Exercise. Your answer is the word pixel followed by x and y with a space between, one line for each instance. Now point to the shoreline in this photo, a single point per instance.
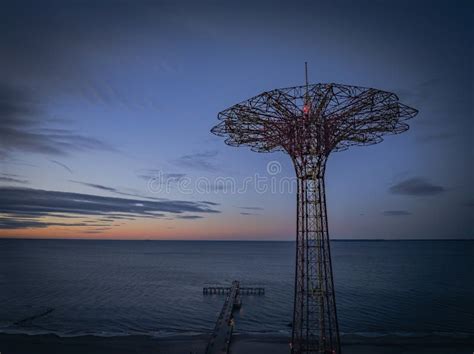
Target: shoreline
pixel 241 344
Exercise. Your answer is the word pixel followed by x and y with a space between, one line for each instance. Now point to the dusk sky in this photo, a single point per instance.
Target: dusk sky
pixel 106 109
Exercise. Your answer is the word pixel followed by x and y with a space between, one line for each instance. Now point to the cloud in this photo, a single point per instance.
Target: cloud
pixel 245 213
pixel 248 213
pixel 396 213
pixel 200 161
pixel 209 203
pixel 104 93
pixel 98 230
pixel 24 207
pixel 22 128
pixel 174 176
pixel 62 165
pixel 11 178
pixel 416 186
pixel 10 224
pixel 189 217
pixel 160 176
pixel 114 190
pixel 96 186
pixel 113 218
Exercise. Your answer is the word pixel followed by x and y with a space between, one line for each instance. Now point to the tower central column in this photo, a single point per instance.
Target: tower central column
pixel 315 328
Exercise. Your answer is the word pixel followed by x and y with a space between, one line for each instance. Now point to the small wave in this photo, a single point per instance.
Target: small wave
pixel 364 338
pixel 104 334
pixel 29 319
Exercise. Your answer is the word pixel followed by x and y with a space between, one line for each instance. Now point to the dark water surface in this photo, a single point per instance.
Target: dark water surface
pixel 72 287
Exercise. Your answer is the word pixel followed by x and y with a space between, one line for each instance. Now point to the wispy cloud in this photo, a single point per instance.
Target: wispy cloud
pixel 94 185
pixel 22 128
pixel 103 93
pixel 200 161
pixel 209 203
pixel 148 174
pixel 114 190
pixel 26 223
pixel 98 230
pixel 174 176
pixel 61 165
pixel 251 210
pixel 416 186
pixel 25 207
pixel 11 178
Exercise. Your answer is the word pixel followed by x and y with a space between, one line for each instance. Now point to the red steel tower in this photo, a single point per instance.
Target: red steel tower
pixel 308 123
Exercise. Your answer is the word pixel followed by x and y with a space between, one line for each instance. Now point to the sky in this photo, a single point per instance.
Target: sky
pixel 106 109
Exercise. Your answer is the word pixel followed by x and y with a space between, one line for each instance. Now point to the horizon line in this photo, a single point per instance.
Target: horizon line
pixel 238 240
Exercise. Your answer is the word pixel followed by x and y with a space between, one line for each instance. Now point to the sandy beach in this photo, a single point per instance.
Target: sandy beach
pixel 241 344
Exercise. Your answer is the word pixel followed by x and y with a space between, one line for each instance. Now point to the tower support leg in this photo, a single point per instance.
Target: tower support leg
pixel 315 326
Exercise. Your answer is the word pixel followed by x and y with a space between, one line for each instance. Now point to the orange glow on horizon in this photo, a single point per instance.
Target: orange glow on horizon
pixel 235 227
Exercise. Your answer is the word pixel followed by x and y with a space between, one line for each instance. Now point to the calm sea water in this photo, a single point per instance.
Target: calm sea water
pixel 405 288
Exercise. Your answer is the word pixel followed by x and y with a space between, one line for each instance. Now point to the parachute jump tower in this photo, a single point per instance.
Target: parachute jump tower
pixel 309 123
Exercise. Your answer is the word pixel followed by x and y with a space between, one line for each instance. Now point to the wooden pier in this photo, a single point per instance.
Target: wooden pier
pixel 219 342
pixel 222 290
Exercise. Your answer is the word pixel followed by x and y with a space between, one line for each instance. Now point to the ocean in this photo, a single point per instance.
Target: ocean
pixel 113 288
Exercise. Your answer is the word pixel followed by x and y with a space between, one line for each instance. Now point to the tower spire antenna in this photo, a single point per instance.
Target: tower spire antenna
pixel 306 97
pixel 306 75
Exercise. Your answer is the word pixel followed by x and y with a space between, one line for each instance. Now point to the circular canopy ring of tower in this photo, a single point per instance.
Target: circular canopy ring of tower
pixel 333 117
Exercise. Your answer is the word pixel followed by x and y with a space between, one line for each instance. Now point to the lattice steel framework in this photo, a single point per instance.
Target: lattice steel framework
pixel 309 122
